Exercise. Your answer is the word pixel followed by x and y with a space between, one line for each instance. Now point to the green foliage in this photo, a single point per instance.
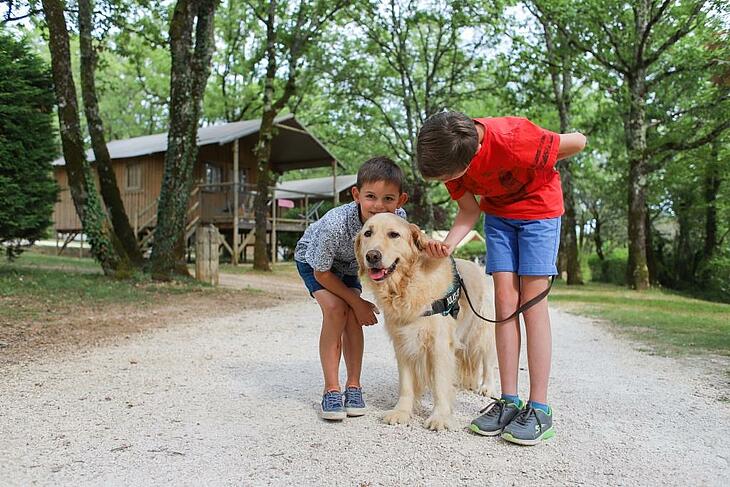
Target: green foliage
pixel 612 269
pixel 27 145
pixel 714 276
pixel 471 251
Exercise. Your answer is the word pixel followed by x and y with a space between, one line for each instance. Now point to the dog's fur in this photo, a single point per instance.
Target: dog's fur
pixel 435 352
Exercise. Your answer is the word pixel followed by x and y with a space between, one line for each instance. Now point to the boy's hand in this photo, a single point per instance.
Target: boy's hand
pixel 437 249
pixel 365 312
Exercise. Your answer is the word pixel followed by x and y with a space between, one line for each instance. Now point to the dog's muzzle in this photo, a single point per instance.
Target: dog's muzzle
pixel 376 271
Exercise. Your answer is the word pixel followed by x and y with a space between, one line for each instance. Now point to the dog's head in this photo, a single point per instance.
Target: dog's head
pixel 386 243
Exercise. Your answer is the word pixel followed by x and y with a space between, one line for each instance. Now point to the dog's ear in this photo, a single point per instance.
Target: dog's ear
pixel 419 239
pixel 358 257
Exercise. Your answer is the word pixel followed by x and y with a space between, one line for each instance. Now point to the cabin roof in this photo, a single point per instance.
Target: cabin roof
pixel 293 146
pixel 294 190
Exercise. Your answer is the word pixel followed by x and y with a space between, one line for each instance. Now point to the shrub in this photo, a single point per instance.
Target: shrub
pixel 470 251
pixel 714 277
pixel 612 269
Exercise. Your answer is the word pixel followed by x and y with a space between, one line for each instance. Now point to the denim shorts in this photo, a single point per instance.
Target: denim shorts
pixel 307 273
pixel 526 247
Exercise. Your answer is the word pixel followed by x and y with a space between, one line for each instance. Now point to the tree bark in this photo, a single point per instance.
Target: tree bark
pixel 635 126
pixel 712 183
pixel 107 179
pixel 189 72
pixel 105 247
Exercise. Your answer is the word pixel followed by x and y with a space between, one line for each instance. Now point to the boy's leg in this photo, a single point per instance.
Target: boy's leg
pixel 539 338
pixel 353 345
pixel 506 301
pixel 334 319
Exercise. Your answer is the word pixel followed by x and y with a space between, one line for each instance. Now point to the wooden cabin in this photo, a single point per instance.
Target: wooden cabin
pixel 224 181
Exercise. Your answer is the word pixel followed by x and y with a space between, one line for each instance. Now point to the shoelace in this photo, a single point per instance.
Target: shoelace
pixel 524 416
pixel 496 406
pixel 332 400
pixel 353 394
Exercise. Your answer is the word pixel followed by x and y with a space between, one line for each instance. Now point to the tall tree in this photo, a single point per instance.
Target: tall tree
pixel 412 60
pixel 296 30
pixel 191 54
pixel 561 61
pixel 636 42
pixel 107 179
pixel 27 145
pixel 105 246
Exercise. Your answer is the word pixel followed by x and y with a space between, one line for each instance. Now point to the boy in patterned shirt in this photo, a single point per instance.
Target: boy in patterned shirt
pixel 509 163
pixel 325 258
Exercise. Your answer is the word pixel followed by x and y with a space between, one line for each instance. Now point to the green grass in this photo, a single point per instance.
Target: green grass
pixel 668 321
pixel 34 285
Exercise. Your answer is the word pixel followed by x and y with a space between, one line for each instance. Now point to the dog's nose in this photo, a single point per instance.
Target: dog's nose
pixel 373 256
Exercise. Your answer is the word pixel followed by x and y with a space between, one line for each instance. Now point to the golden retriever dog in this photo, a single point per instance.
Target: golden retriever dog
pixel 436 352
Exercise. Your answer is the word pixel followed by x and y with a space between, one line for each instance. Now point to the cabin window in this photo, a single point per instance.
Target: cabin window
pixel 212 175
pixel 134 177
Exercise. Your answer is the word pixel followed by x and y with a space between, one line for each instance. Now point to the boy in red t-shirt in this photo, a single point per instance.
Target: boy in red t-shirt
pixel 509 163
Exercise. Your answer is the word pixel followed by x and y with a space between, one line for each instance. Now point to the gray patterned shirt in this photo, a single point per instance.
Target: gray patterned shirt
pixel 328 243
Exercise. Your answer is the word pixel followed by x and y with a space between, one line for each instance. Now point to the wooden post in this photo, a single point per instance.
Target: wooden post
pixel 336 195
pixel 273 226
pixel 234 257
pixel 306 210
pixel 207 241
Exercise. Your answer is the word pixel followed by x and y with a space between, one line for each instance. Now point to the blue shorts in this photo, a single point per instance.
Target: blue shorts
pixel 527 247
pixel 307 273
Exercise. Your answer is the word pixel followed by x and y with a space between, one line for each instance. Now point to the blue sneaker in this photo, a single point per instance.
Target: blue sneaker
pixel 354 404
pixel 332 406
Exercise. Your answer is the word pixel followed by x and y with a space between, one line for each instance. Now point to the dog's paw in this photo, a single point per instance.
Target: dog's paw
pixel 437 422
pixel 396 416
pixel 486 390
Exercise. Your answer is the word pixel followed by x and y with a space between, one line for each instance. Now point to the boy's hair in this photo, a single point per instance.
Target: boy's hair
pixel 446 144
pixel 380 168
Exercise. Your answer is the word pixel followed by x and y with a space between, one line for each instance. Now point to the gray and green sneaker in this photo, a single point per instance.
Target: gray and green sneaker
pixel 530 427
pixel 495 417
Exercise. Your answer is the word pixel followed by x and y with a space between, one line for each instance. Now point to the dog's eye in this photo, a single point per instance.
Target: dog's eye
pixel 368 233
pixel 393 234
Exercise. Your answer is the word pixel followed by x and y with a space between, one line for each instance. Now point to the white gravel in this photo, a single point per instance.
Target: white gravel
pixel 233 402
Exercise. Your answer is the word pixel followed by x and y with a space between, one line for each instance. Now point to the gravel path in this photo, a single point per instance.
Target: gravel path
pixel 232 401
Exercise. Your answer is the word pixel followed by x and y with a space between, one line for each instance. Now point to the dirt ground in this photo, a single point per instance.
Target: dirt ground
pixel 79 326
pixel 229 396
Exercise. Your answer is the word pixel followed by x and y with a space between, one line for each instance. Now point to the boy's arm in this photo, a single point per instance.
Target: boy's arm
pixel 364 310
pixel 571 144
pixel 467 216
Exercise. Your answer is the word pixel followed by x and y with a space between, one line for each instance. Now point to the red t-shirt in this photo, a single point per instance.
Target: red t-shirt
pixel 514 171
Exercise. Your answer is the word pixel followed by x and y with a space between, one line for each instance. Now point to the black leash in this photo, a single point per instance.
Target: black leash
pixel 519 310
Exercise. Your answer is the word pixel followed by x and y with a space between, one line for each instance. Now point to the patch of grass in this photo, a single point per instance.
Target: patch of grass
pixel 34 285
pixel 667 320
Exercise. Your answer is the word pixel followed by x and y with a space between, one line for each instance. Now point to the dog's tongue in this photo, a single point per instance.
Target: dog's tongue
pixel 377 273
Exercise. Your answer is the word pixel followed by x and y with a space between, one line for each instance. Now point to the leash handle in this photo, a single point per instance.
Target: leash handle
pixel 532 302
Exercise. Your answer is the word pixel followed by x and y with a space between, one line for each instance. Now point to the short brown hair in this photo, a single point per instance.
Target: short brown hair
pixel 447 143
pixel 380 168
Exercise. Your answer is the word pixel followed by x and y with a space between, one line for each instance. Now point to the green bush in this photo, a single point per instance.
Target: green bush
pixel 714 277
pixel 612 269
pixel 470 251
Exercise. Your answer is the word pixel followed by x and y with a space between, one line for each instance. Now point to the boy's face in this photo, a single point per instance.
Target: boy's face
pixel 378 197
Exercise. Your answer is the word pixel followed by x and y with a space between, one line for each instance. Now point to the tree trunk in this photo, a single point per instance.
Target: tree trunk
pixel 265 179
pixel 712 183
pixel 651 262
pixel 189 73
pixel 105 247
pixel 107 179
pixel 562 82
pixel 635 131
